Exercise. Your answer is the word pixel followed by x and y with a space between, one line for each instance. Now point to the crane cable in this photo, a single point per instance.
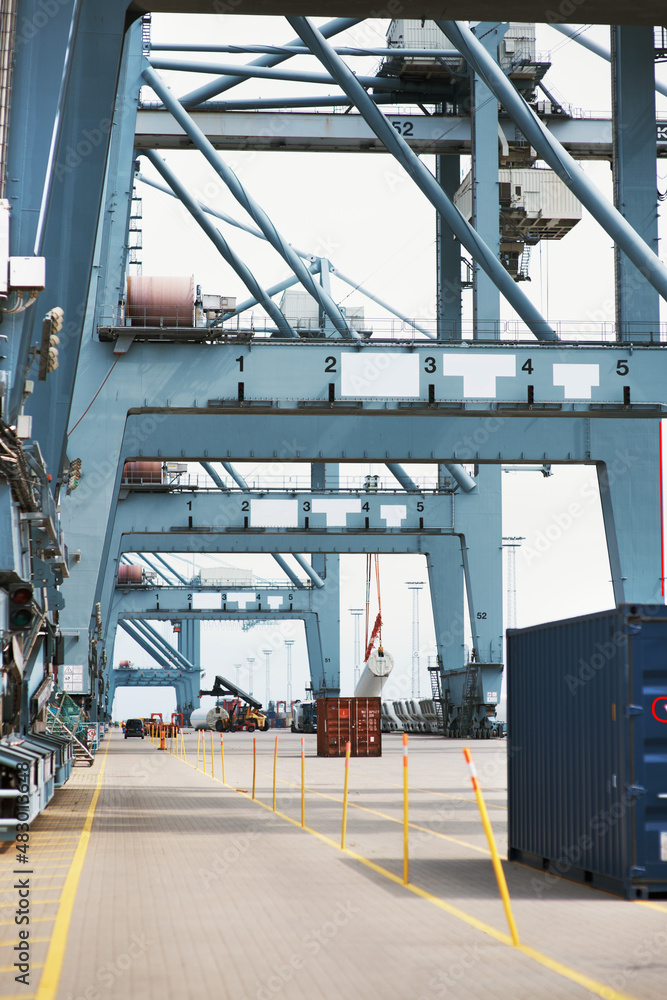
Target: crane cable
pixel 377 627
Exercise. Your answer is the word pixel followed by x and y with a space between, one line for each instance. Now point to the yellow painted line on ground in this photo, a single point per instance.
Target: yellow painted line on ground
pixel 375 812
pixel 595 987
pixel 48 984
pixel 11 944
pixel 651 905
pixel 11 968
pixel 32 877
pixel 33 920
pixel 53 845
pixel 33 902
pixel 43 851
pixel 53 836
pixel 586 982
pixel 392 819
pixel 446 795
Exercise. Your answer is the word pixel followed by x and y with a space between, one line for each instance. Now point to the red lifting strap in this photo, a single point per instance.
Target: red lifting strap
pixel 374 634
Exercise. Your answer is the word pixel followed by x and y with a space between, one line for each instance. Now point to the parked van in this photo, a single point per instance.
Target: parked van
pixel 134 727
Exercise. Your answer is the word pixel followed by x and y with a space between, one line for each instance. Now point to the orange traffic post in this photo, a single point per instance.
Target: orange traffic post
pixel 406 824
pixel 303 785
pixel 212 757
pixel 345 790
pixel 203 750
pixel 222 757
pixel 197 749
pixel 275 763
pixel 162 740
pixel 495 857
pixel 254 764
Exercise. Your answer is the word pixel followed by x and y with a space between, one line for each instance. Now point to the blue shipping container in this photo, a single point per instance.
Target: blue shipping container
pixel 587 748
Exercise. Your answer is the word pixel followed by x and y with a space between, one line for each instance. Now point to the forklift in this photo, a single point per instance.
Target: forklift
pixel 244 712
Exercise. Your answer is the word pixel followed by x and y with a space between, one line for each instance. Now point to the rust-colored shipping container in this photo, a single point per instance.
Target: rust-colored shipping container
pixel 357 720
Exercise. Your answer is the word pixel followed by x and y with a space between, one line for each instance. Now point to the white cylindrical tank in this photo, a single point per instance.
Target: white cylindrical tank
pixel 206 718
pixel 374 675
pixel 198 718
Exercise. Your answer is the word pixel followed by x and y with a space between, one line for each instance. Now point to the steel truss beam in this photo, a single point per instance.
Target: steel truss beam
pixel 144 600
pixel 259 217
pixel 219 86
pixel 322 679
pixel 623 234
pixel 56 182
pixel 590 378
pixel 227 70
pixel 221 245
pixel 577 35
pixel 443 553
pixel 423 178
pixel 583 138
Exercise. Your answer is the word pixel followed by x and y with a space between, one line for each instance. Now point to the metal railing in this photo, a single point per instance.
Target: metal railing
pixel 260 482
pixel 586 330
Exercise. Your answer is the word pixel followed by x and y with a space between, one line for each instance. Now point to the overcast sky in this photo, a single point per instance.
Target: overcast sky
pixel 363 213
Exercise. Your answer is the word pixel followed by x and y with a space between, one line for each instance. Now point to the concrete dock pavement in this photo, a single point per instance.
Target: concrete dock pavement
pixel 154 880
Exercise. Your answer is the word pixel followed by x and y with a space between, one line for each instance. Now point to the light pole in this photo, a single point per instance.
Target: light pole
pixel 267 654
pixel 251 660
pixel 289 643
pixel 415 586
pixel 356 614
pixel 237 667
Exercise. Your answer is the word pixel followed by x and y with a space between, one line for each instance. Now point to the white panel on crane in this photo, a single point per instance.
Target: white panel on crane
pixel 206 602
pixel 577 380
pixel 274 513
pixel 377 373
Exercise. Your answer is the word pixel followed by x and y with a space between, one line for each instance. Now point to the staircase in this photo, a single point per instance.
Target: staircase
pixel 440 701
pixel 68 720
pixel 524 264
pixel 469 696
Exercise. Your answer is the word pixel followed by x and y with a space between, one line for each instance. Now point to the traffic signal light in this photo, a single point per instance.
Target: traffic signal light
pixel 48 351
pixel 20 612
pixel 74 474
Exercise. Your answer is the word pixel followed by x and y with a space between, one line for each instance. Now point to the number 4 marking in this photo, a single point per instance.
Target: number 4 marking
pixel 527 366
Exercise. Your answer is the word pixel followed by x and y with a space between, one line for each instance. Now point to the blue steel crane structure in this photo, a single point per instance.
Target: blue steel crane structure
pixel 69 139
